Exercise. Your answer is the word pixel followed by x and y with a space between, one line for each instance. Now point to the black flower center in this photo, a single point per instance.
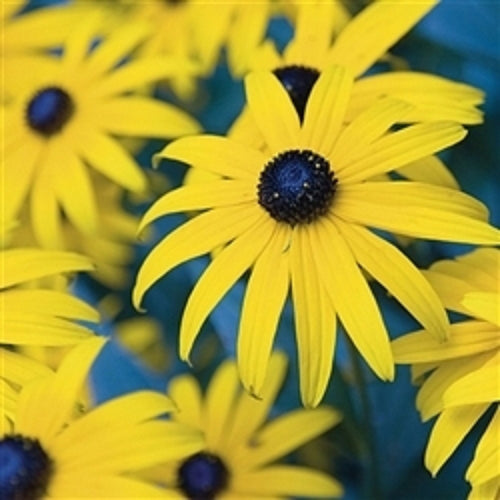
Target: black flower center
pixel 202 476
pixel 25 468
pixel 297 186
pixel 49 110
pixel 298 82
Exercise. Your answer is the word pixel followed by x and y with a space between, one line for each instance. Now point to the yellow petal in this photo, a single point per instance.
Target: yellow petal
pixel 265 296
pixel 488 489
pixel 483 305
pixel 315 320
pixel 448 432
pixel 418 210
pixel 186 393
pixel 220 276
pixel 218 155
pixel 195 237
pixel 372 32
pixel 25 264
pixel 272 111
pixel 325 110
pixel 139 116
pixel 343 280
pixel 287 480
pixel 201 196
pixel 20 369
pixel 431 170
pixel 400 148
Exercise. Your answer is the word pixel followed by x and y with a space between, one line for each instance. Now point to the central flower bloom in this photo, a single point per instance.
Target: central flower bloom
pixel 49 110
pixel 298 82
pixel 25 468
pixel 296 186
pixel 202 476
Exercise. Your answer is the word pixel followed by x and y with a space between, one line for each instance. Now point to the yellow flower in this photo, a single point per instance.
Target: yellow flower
pixel 48 451
pixel 240 447
pixel 68 116
pixel 297 213
pixel 462 375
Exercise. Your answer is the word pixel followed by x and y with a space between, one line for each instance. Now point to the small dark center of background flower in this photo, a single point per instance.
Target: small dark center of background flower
pixel 25 468
pixel 298 82
pixel 202 476
pixel 49 110
pixel 296 187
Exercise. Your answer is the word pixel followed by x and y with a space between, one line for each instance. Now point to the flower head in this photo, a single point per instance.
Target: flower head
pixel 461 382
pixel 315 240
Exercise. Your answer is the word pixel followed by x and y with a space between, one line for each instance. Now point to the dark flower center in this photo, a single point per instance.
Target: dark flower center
pixel 25 468
pixel 49 110
pixel 298 82
pixel 202 476
pixel 297 186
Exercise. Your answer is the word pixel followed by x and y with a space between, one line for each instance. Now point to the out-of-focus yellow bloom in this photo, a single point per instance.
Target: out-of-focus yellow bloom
pixel 462 375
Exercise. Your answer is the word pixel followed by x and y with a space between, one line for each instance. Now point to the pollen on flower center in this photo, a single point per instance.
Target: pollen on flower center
pixel 202 476
pixel 49 110
pixel 298 82
pixel 25 468
pixel 296 187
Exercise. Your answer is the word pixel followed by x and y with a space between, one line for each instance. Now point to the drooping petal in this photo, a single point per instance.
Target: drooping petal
pixel 194 238
pixel 418 210
pixel 325 110
pixel 315 319
pixel 448 432
pixel 272 111
pixel 398 275
pixel 400 148
pixel 123 116
pixel 372 32
pixel 265 296
pixel 220 275
pixel 343 280
pixel 218 155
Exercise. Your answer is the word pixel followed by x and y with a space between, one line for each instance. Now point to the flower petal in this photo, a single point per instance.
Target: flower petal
pixel 431 170
pixel 186 393
pixel 484 305
pixel 264 300
pixel 272 111
pixel 220 275
pixel 315 320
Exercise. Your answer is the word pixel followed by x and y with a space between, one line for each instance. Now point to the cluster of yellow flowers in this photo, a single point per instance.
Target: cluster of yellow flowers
pixel 322 153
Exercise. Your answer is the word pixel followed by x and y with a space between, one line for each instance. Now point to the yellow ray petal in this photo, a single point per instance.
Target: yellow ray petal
pixel 325 110
pixel 9 398
pixel 124 116
pixel 265 296
pixel 20 369
pixel 250 413
pixel 287 480
pixel 484 466
pixel 400 148
pixel 418 210
pixel 266 57
pixel 343 280
pixel 185 392
pixel 432 171
pixel 195 237
pixel 398 275
pixel 219 276
pixel 110 158
pixel 448 432
pixel 58 395
pixel 201 196
pixel 368 126
pixel 272 111
pixel 315 320
pixel 25 264
pixel 287 433
pixel 218 155
pixel 219 401
pixel 484 305
pixel 489 489
pixel 372 32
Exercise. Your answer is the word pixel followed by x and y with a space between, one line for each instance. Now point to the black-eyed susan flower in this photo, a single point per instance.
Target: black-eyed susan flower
pixel 67 118
pixel 240 446
pixel 298 213
pixel 47 450
pixel 462 375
